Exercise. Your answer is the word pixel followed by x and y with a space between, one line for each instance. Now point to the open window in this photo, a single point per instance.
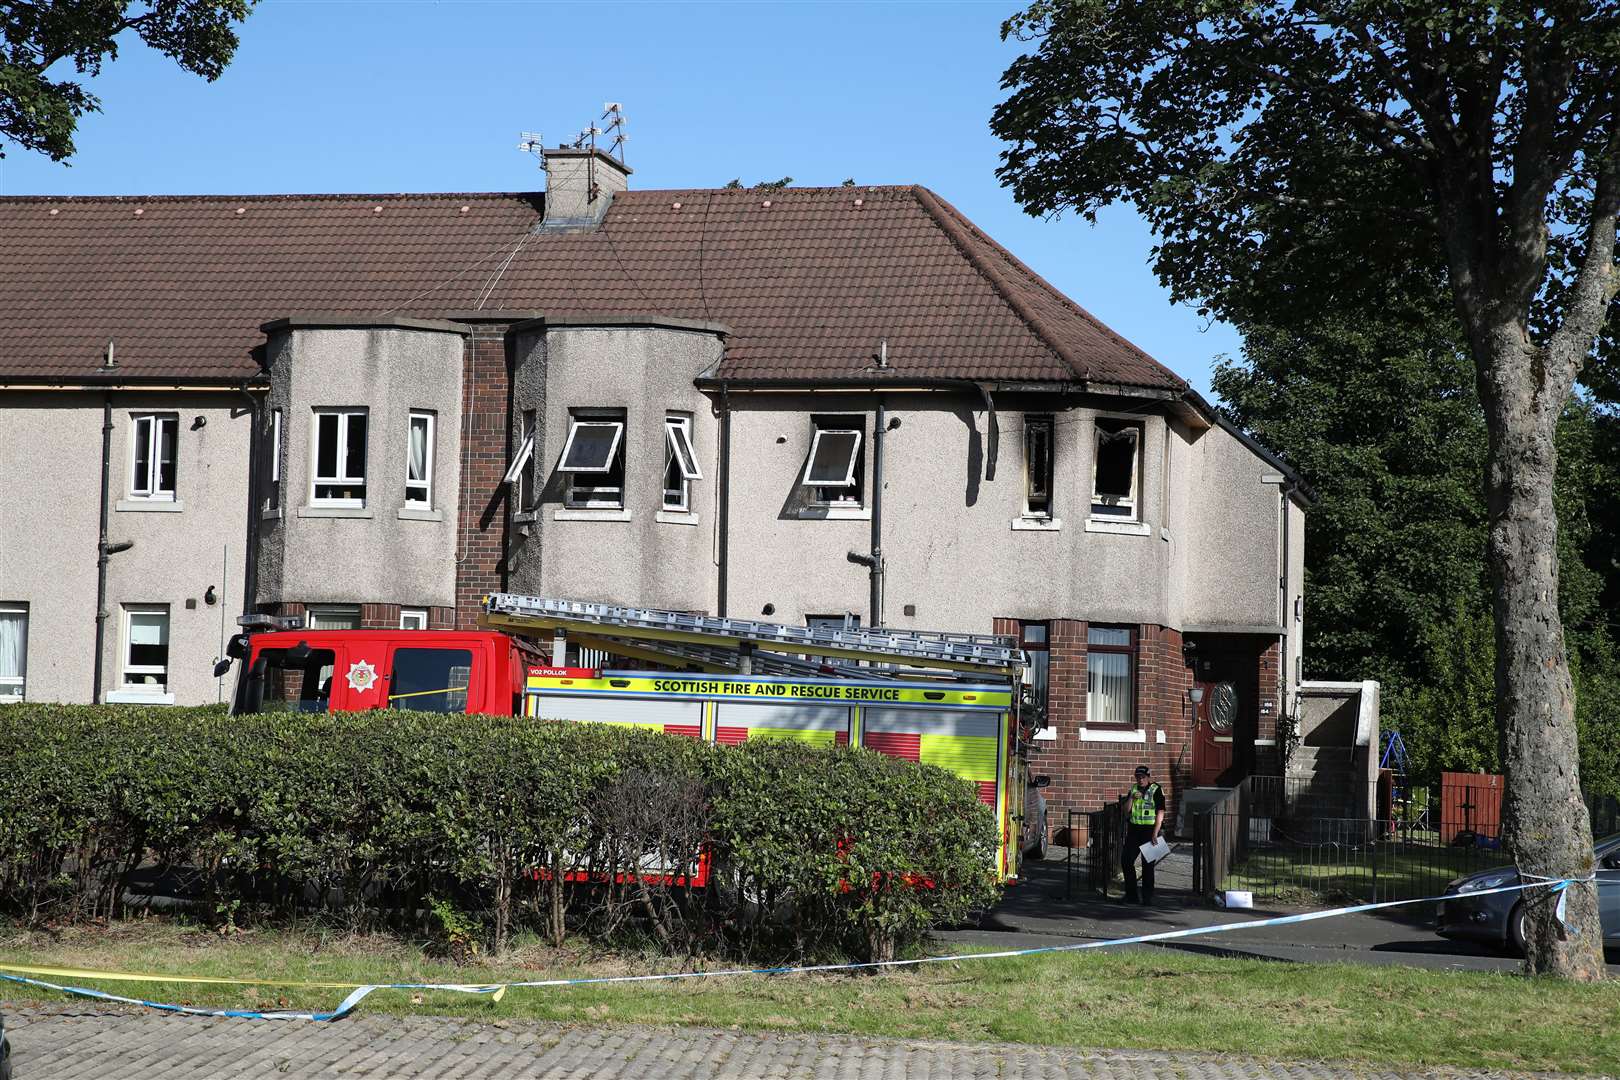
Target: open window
pixel 419 461
pixel 339 476
pixel 272 498
pixel 1116 475
pixel 153 473
pixel 1038 442
pixel 680 462
pixel 835 466
pixel 593 459
pixel 520 475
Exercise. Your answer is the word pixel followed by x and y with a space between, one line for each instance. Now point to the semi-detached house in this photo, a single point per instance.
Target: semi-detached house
pixel 372 410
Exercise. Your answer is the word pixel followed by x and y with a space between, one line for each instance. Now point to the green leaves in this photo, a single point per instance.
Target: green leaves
pixel 372 814
pixel 39 110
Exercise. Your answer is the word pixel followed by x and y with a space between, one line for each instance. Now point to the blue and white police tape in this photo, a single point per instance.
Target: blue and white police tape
pixel 23 974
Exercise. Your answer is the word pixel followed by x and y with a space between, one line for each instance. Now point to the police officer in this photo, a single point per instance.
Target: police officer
pixel 1145 807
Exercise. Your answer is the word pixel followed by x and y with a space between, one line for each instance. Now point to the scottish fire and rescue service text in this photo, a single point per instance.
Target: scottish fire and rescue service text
pixel 792 690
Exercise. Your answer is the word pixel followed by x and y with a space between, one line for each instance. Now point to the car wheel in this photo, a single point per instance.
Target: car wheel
pixel 1518 928
pixel 1037 851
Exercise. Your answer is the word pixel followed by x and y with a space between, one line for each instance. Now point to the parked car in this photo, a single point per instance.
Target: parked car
pixel 5 1051
pixel 1499 918
pixel 1036 833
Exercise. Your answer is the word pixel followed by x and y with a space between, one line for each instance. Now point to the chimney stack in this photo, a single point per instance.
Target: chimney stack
pixel 580 183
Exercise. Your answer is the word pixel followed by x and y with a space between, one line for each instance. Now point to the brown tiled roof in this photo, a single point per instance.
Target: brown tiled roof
pixel 808 284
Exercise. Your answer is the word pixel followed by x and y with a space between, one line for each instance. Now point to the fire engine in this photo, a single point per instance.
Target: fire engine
pixel 951 700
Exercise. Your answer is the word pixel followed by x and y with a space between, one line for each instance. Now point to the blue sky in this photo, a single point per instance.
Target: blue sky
pixel 331 95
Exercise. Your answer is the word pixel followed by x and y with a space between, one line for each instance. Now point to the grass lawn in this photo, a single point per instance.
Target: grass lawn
pixel 1144 999
pixel 1387 871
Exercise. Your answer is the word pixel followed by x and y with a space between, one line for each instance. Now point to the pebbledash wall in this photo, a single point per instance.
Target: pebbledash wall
pixel 1202 563
pixel 181 555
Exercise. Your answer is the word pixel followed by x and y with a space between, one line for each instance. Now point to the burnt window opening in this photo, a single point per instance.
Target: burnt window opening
pixel 1038 444
pixel 1118 463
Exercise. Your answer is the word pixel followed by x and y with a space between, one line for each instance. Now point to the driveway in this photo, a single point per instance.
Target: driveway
pixel 77 1044
pixel 1038 912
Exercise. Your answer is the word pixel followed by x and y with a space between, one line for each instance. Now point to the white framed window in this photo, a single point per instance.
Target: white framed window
pixel 152 455
pixel 1038 446
pixel 419 460
pixel 1116 473
pixel 413 618
pixel 332 616
pixel 835 466
pixel 273 496
pixel 680 462
pixel 520 473
pixel 339 475
pixel 146 648
pixel 593 459
pixel 13 651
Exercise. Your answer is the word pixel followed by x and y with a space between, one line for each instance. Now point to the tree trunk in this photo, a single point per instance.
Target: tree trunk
pixel 1545 822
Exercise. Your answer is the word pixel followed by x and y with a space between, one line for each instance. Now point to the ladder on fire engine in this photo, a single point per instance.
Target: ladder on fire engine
pixel 721 643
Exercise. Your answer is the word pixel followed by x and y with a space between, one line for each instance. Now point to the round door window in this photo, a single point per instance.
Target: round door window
pixel 1222 708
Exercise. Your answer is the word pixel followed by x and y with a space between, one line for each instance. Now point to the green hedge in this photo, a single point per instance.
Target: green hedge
pixel 382 818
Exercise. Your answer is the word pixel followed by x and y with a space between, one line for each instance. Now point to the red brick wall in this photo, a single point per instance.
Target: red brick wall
pixel 485 400
pixel 1268 759
pixel 1086 774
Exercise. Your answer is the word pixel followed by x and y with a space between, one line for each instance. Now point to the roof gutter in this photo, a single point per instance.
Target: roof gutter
pixel 900 383
pixel 126 382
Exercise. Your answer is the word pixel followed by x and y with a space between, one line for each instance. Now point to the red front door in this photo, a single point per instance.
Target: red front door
pixel 1217 723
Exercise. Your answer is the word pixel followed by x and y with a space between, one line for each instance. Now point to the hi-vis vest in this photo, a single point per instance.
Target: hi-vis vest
pixel 1144 807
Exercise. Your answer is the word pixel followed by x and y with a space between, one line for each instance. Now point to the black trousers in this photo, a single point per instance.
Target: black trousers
pixel 1130 854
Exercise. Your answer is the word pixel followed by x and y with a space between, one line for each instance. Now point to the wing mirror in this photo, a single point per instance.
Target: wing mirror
pixel 1040 781
pixel 299 652
pixel 221 667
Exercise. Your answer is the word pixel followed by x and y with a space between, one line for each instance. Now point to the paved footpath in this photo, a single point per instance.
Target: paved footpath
pixel 74 1043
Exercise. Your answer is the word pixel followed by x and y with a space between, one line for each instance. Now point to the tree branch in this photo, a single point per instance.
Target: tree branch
pixel 1384 130
pixel 1595 287
pixel 1538 162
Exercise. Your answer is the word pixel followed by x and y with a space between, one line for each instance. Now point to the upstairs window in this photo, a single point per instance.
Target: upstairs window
pixel 593 459
pixel 153 474
pixel 1038 442
pixel 13 651
pixel 680 462
pixel 340 458
pixel 836 464
pixel 272 499
pixel 419 461
pixel 1118 466
pixel 520 473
